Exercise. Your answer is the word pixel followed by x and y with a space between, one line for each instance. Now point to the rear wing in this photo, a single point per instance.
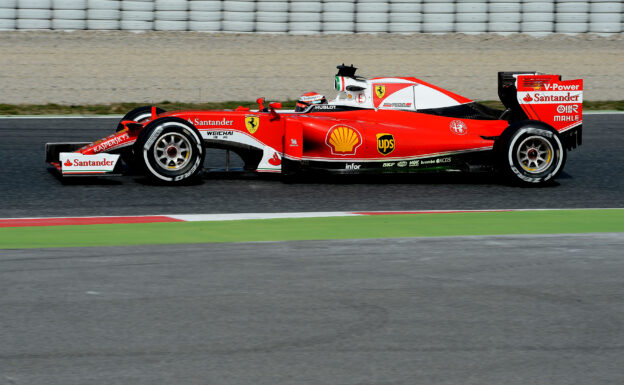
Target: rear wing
pixel 546 98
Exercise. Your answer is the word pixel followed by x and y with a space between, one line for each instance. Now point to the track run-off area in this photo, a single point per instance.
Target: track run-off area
pixel 248 280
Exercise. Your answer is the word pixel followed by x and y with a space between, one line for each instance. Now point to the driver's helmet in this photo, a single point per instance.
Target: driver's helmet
pixel 308 99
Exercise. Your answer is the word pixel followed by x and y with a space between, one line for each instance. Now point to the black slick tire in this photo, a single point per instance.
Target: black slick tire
pixel 530 154
pixel 170 150
pixel 139 114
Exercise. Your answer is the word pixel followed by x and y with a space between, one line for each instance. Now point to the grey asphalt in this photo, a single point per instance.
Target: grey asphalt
pixel 459 310
pixel 593 177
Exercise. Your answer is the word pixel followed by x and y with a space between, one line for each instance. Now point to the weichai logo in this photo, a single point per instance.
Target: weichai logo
pixel 385 143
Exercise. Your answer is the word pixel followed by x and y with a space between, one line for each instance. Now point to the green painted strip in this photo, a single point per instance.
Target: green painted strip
pixel 374 226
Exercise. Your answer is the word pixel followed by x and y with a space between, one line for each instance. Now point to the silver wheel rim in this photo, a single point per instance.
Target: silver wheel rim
pixel 172 151
pixel 535 154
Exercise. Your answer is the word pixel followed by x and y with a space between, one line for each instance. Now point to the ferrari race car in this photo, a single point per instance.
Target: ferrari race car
pixel 378 125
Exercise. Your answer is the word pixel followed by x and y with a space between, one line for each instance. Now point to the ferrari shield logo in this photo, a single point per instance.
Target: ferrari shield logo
pixel 252 123
pixel 380 91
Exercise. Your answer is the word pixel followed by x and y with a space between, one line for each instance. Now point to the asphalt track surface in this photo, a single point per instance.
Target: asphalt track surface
pixel 454 310
pixel 593 177
pixel 458 310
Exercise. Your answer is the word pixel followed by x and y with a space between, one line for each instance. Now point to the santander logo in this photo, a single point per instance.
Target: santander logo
pixel 275 160
pixel 67 163
pixel 527 98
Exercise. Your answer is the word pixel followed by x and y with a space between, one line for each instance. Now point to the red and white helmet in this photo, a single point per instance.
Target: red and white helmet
pixel 308 99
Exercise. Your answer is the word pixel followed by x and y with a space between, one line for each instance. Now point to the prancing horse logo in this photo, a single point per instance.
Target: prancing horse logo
pixel 380 91
pixel 252 123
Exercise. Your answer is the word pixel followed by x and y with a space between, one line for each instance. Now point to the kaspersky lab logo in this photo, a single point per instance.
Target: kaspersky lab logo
pixel 385 143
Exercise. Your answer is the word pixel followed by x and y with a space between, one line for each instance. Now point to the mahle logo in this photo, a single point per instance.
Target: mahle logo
pixel 385 143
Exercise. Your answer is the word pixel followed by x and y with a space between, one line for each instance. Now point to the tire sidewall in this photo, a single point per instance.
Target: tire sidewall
pixel 514 138
pixel 152 133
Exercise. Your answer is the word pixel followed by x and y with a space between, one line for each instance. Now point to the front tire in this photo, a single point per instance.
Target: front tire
pixel 531 154
pixel 170 150
pixel 139 115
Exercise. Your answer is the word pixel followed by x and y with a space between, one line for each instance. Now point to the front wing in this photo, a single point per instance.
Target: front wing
pixel 67 162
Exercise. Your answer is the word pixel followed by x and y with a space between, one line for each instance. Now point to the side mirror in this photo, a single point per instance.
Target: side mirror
pixel 274 114
pixel 260 102
pixel 131 125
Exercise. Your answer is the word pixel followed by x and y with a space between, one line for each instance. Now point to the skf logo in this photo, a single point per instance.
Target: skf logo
pixel 343 140
pixel 252 123
pixel 380 91
pixel 385 143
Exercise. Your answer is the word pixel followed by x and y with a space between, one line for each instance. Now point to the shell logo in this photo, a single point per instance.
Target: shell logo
pixel 343 140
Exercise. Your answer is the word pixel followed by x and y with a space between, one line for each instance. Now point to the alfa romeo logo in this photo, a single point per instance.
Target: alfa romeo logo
pixel 458 127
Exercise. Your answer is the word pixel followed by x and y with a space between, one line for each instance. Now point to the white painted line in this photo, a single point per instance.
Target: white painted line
pixel 312 214
pixel 243 216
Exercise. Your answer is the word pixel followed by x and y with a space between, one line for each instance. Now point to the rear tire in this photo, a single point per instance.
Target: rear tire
pixel 530 154
pixel 170 150
pixel 139 115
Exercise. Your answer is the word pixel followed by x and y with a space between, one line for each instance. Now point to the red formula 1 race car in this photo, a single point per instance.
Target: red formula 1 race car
pixel 378 125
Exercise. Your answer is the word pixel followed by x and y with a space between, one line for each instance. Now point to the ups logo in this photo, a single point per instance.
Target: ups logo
pixel 385 143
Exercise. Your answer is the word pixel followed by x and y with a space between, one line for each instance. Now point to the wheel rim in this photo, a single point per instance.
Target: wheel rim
pixel 172 151
pixel 535 154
